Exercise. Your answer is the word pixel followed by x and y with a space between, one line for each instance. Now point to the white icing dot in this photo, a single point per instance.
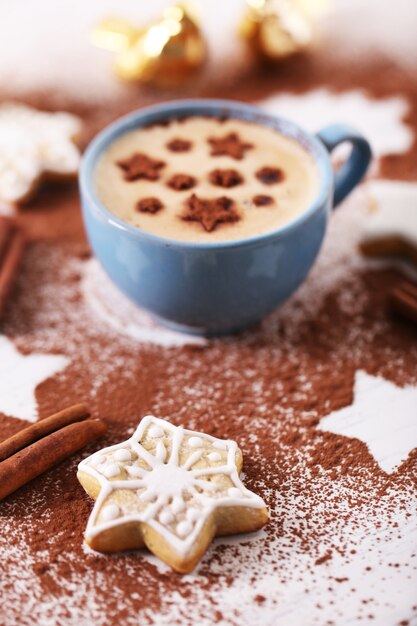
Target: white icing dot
pixel 214 456
pixel 195 442
pixel 234 492
pixel 109 512
pixel 218 444
pixel 122 455
pixel 161 451
pixel 98 460
pixel 166 517
pixel 184 528
pixel 155 431
pixel 193 515
pixel 177 505
pixel 110 470
pixel 147 496
pixel 134 471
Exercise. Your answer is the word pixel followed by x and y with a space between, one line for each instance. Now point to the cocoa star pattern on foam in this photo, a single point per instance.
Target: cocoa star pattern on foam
pixel 210 213
pixel 149 205
pixel 230 145
pixel 179 145
pixel 181 182
pixel 170 489
pixel 262 200
pixel 270 175
pixel 140 166
pixel 225 178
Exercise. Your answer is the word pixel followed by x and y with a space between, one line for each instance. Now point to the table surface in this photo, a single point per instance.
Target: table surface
pixel 341 546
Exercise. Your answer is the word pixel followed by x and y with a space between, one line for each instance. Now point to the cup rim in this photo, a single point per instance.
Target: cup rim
pixel 211 107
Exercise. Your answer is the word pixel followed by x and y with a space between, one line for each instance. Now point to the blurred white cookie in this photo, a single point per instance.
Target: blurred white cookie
pixel 35 145
pixel 391 229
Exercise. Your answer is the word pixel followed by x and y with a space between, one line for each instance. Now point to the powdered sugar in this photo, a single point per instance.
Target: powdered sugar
pixel 267 390
pixel 110 305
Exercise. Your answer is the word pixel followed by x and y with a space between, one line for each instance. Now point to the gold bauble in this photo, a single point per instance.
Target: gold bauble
pixel 277 29
pixel 165 53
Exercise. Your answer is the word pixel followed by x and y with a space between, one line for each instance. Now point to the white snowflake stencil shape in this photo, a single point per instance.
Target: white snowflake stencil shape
pixel 20 375
pixel 115 309
pixel 35 144
pixel 171 480
pixel 382 415
pixel 318 108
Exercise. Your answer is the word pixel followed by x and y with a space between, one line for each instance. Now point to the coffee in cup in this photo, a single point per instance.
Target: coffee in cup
pixel 206 179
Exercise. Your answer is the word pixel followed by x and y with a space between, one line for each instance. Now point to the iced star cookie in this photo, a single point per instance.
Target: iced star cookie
pixel 170 489
pixel 391 228
pixel 35 145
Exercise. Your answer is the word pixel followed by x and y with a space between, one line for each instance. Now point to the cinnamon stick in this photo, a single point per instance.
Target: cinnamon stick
pixel 25 437
pixel 404 300
pixel 14 243
pixel 40 456
pixel 6 228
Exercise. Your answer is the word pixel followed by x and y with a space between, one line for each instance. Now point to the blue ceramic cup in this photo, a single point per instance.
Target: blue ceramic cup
pixel 216 288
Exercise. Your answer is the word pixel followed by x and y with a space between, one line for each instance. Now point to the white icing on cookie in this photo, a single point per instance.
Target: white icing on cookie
pixel 110 512
pixel 155 432
pixel 395 211
pixel 214 456
pixel 184 529
pixel 174 494
pixel 166 517
pixel 134 471
pixel 177 505
pixel 192 515
pixel 122 455
pixel 32 144
pixel 195 442
pixel 109 471
pixel 99 460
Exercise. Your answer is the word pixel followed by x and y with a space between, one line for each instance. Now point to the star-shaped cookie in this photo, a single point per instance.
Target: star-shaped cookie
pixel 230 145
pixel 35 145
pixel 170 489
pixel 391 228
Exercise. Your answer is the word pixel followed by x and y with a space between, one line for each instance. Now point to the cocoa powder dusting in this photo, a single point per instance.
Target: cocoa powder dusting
pixel 268 389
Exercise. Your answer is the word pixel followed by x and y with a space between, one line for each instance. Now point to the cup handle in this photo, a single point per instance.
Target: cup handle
pixel 356 165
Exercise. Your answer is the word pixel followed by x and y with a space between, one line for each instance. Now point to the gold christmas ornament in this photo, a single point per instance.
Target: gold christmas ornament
pixel 276 29
pixel 164 53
